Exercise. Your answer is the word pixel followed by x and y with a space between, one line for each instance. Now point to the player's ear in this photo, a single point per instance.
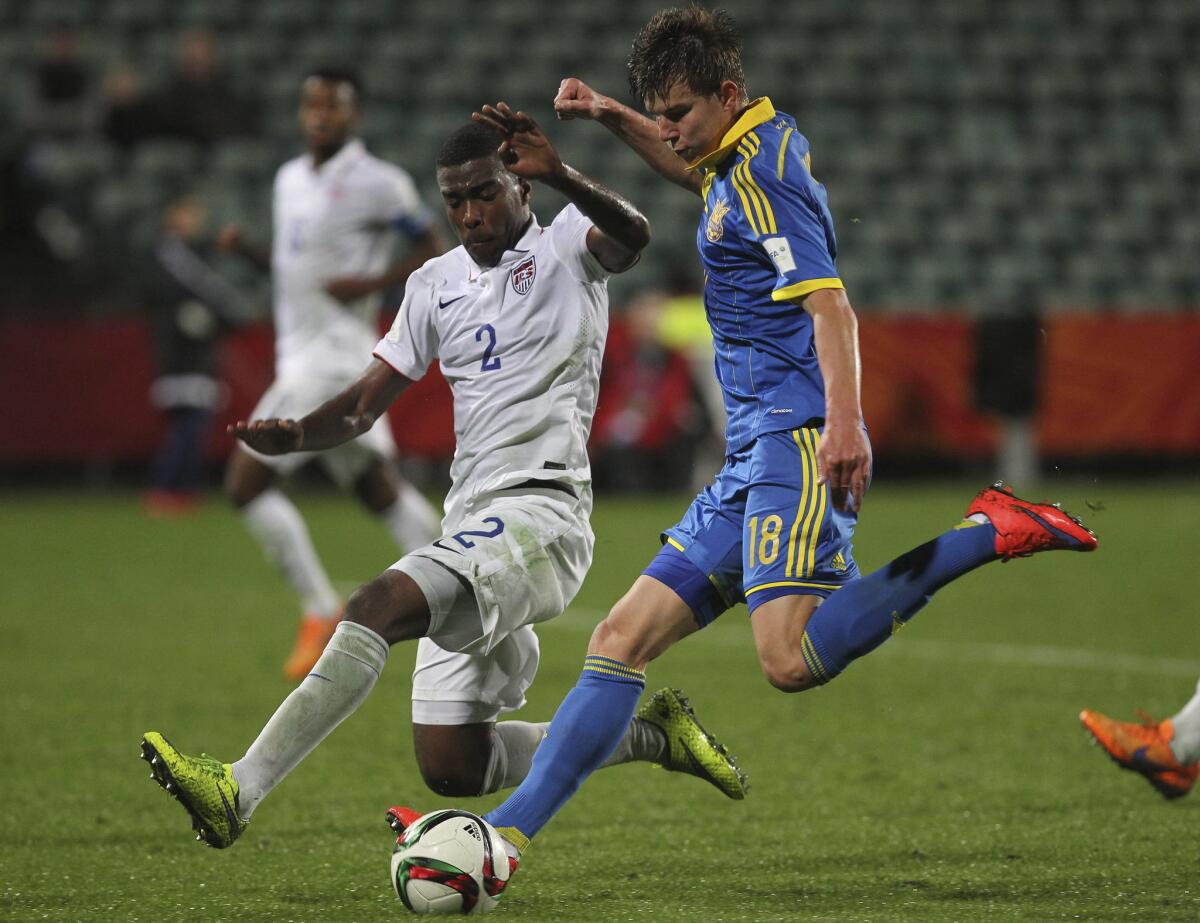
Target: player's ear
pixel 526 190
pixel 730 95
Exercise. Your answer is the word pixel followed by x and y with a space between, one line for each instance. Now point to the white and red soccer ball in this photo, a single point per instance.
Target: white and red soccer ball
pixel 450 862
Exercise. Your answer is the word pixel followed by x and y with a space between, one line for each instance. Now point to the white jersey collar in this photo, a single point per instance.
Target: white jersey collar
pixel 520 250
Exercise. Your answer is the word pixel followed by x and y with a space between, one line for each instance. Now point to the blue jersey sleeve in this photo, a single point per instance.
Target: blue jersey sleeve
pixel 789 214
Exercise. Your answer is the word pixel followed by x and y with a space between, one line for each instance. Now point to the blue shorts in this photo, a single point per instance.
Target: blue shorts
pixel 763 529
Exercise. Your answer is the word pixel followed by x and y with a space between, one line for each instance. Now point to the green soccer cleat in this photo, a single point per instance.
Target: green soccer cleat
pixel 204 786
pixel 692 749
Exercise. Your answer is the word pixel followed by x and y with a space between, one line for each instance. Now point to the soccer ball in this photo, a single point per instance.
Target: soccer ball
pixel 450 862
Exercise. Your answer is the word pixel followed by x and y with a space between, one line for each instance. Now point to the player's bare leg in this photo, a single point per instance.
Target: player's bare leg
pixel 278 527
pixel 778 627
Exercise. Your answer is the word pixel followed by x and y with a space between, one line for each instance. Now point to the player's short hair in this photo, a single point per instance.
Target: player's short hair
pixel 332 74
pixel 702 48
pixel 470 142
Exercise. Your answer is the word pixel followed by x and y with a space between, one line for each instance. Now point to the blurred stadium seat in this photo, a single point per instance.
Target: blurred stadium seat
pixel 950 135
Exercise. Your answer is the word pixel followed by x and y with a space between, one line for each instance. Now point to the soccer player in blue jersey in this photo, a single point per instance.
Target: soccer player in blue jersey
pixel 774 529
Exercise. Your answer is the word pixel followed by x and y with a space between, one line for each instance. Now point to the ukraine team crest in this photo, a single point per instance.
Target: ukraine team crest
pixel 716 228
pixel 522 276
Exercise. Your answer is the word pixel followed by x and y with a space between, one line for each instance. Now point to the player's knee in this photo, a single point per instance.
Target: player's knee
pixel 620 637
pixel 452 779
pixel 788 674
pixel 391 605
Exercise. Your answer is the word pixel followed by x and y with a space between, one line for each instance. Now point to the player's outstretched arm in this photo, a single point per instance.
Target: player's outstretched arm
pixel 577 100
pixel 620 231
pixel 844 456
pixel 338 420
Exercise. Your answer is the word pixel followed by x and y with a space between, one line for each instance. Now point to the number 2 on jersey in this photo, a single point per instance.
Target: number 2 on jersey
pixel 490 363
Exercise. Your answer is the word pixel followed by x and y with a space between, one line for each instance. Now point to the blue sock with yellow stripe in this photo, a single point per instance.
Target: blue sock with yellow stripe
pixel 862 615
pixel 585 730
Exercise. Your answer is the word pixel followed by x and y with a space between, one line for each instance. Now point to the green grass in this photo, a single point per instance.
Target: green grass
pixel 943 778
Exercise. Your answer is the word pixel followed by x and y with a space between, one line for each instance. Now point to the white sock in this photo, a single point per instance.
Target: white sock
pixel 513 746
pixel 515 742
pixel 277 525
pixel 337 685
pixel 1186 745
pixel 643 742
pixel 412 520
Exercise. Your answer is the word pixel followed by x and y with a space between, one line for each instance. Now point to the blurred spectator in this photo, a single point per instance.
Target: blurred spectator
pixel 58 100
pixel 190 306
pixel 129 115
pixel 650 419
pixel 199 103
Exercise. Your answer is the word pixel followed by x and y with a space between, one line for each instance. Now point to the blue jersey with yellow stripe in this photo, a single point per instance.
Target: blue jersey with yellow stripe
pixel 765 239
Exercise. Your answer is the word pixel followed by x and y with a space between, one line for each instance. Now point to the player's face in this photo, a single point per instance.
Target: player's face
pixel 692 124
pixel 487 205
pixel 328 112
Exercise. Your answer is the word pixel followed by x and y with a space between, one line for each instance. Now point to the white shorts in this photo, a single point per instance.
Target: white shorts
pixel 514 560
pixel 294 396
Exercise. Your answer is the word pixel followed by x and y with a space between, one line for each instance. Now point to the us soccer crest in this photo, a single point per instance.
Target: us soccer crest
pixel 716 228
pixel 522 276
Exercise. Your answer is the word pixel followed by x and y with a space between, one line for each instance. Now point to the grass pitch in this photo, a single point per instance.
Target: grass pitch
pixel 945 777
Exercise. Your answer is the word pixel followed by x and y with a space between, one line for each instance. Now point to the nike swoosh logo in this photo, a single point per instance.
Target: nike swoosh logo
pixel 230 817
pixel 1139 759
pixel 449 301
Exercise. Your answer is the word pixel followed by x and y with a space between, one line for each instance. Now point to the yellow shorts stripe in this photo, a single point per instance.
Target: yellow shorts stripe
pixel 800 583
pixel 805 492
pixel 814 538
pixel 806 554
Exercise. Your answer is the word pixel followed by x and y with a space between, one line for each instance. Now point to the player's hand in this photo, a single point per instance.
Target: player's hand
pixel 231 238
pixel 576 100
pixel 350 288
pixel 270 437
pixel 526 150
pixel 844 463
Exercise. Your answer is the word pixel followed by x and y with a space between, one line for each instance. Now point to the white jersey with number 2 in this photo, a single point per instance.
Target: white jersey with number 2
pixel 520 345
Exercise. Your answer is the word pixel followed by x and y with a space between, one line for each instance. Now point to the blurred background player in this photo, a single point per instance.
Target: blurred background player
pixel 1166 753
pixel 774 529
pixel 517 317
pixel 190 307
pixel 336 211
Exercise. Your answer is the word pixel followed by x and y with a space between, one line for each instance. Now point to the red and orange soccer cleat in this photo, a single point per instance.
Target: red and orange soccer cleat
pixel 1024 528
pixel 1144 748
pixel 314 634
pixel 400 818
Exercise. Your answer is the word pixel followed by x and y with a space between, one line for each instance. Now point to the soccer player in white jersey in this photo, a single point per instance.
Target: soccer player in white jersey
pixel 517 317
pixel 337 211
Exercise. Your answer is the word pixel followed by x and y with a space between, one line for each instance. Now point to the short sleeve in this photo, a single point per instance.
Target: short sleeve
pixel 411 345
pixel 569 238
pixel 398 203
pixel 790 216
